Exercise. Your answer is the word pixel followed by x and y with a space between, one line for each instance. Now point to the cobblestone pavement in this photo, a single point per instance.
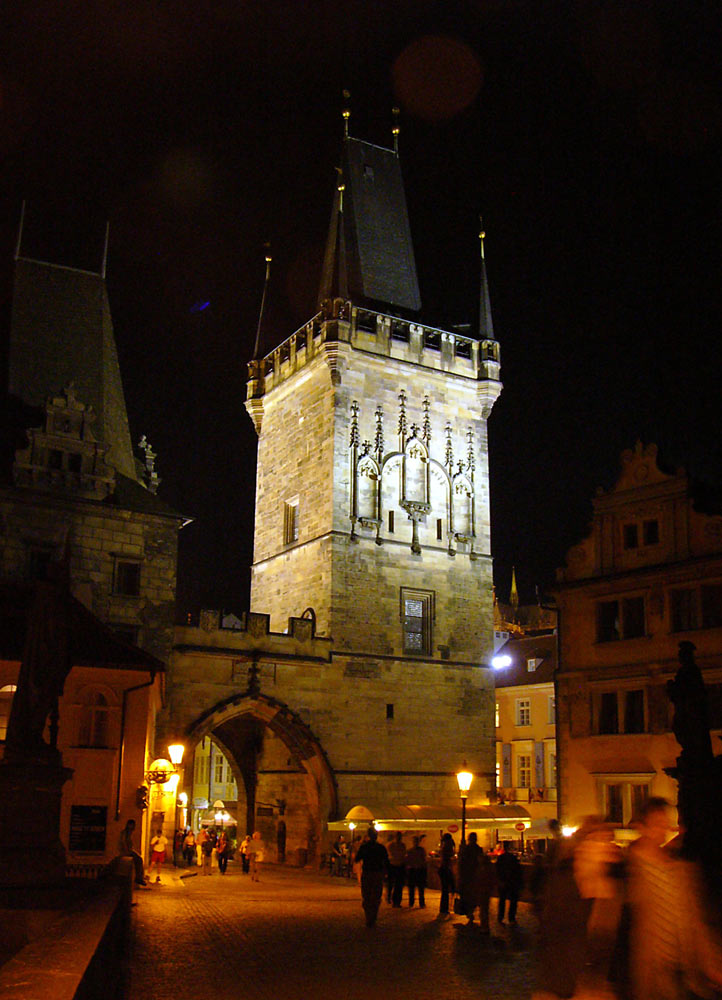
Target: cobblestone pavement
pixel 297 935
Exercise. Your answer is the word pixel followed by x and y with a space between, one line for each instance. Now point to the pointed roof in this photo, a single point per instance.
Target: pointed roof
pixel 486 325
pixel 369 253
pixel 61 331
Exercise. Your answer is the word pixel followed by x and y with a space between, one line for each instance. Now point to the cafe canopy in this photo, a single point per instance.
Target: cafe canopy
pixel 412 817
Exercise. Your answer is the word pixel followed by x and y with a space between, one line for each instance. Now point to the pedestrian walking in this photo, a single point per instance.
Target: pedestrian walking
pixel 447 850
pixel 189 848
pixel 374 860
pixel 255 853
pixel 475 881
pixel 397 869
pixel 674 952
pixel 509 878
pixel 222 850
pixel 207 842
pixel 416 872
pixel 245 856
pixel 158 846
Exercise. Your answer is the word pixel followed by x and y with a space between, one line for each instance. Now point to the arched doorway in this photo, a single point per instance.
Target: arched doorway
pixel 285 786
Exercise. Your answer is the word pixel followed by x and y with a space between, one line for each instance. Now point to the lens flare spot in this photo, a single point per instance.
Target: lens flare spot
pixel 437 77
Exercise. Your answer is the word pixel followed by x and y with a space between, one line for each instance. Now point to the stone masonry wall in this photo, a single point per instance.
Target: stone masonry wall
pixel 97 534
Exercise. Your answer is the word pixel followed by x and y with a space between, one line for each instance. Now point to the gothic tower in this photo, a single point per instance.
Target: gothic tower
pixel 372 495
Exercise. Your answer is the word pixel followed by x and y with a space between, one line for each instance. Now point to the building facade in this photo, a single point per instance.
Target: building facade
pixel 72 492
pixel 648 576
pixel 371 549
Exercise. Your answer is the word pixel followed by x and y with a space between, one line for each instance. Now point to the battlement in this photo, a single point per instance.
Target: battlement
pixel 251 629
pixel 375 333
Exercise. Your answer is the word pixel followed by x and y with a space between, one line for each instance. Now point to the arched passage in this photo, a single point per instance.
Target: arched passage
pixel 285 782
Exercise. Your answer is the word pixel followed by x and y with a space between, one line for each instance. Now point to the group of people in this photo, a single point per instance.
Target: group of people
pixel 398 865
pixel 635 919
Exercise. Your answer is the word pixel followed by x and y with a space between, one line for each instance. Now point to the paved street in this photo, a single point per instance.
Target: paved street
pixel 297 934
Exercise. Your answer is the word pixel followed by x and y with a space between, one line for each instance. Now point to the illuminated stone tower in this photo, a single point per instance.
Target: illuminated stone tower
pixel 372 494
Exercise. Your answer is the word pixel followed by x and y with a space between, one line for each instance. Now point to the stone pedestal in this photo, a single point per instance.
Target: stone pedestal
pixel 31 853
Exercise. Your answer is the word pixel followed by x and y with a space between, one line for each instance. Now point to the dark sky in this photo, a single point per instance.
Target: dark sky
pixel 587 133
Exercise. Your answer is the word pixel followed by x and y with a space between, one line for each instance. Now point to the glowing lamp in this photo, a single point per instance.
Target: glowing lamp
pixel 175 752
pixel 501 661
pixel 464 778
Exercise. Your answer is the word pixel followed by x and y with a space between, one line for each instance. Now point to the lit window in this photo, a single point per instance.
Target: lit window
pixel 417 608
pixel 496 714
pixel 219 770
pixel 552 710
pixel 6 700
pixel 290 522
pixel 523 711
pixel 552 779
pixel 523 762
pixel 126 577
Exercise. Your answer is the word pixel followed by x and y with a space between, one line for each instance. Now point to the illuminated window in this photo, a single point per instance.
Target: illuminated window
pixel 496 714
pixel 417 608
pixel 552 765
pixel 523 711
pixel 290 522
pixel 202 769
pixel 523 764
pixel 126 577
pixel 94 717
pixel 552 710
pixel 219 769
pixel 6 700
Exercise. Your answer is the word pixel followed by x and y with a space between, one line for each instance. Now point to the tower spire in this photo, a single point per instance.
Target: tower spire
pixel 514 593
pixel 486 325
pixel 259 328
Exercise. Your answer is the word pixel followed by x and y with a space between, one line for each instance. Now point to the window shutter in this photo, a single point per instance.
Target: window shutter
pixel 506 764
pixel 539 764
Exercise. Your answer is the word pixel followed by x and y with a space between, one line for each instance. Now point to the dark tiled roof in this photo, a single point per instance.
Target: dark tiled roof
pixel 540 647
pixel 130 495
pixel 61 331
pixel 92 643
pixel 378 266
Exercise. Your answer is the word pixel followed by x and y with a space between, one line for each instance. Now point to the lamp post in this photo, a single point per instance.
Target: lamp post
pixel 464 779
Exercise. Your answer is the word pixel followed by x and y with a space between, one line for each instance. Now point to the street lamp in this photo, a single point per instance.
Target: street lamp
pixel 464 778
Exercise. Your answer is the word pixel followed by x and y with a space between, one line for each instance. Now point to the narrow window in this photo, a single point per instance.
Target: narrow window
pixel 683 610
pixel 290 522
pixel 439 526
pixel 496 714
pixel 93 730
pixel 553 770
pixel 6 700
pixel 608 621
pixel 712 606
pixel 614 805
pixel 416 614
pixel 633 624
pixel 608 713
pixel 523 711
pixel 524 770
pixel 126 578
pixel 389 711
pixel 552 710
pixel 391 522
pixel 634 711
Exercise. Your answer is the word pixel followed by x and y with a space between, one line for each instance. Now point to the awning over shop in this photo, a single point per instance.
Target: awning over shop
pixel 396 817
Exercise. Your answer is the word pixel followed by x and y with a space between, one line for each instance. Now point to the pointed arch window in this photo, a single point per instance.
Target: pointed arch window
pixel 416 473
pixel 463 508
pixel 367 485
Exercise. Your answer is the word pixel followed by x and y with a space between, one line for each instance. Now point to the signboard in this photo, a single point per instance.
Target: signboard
pixel 88 827
pixel 521 827
pixel 452 828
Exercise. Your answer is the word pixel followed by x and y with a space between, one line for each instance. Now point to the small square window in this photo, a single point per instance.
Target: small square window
pixel 389 711
pixel 126 581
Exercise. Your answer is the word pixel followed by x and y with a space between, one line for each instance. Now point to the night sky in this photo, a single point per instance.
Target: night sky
pixel 588 135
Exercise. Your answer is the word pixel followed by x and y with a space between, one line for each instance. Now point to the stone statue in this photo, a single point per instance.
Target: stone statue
pixel 691 714
pixel 45 665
